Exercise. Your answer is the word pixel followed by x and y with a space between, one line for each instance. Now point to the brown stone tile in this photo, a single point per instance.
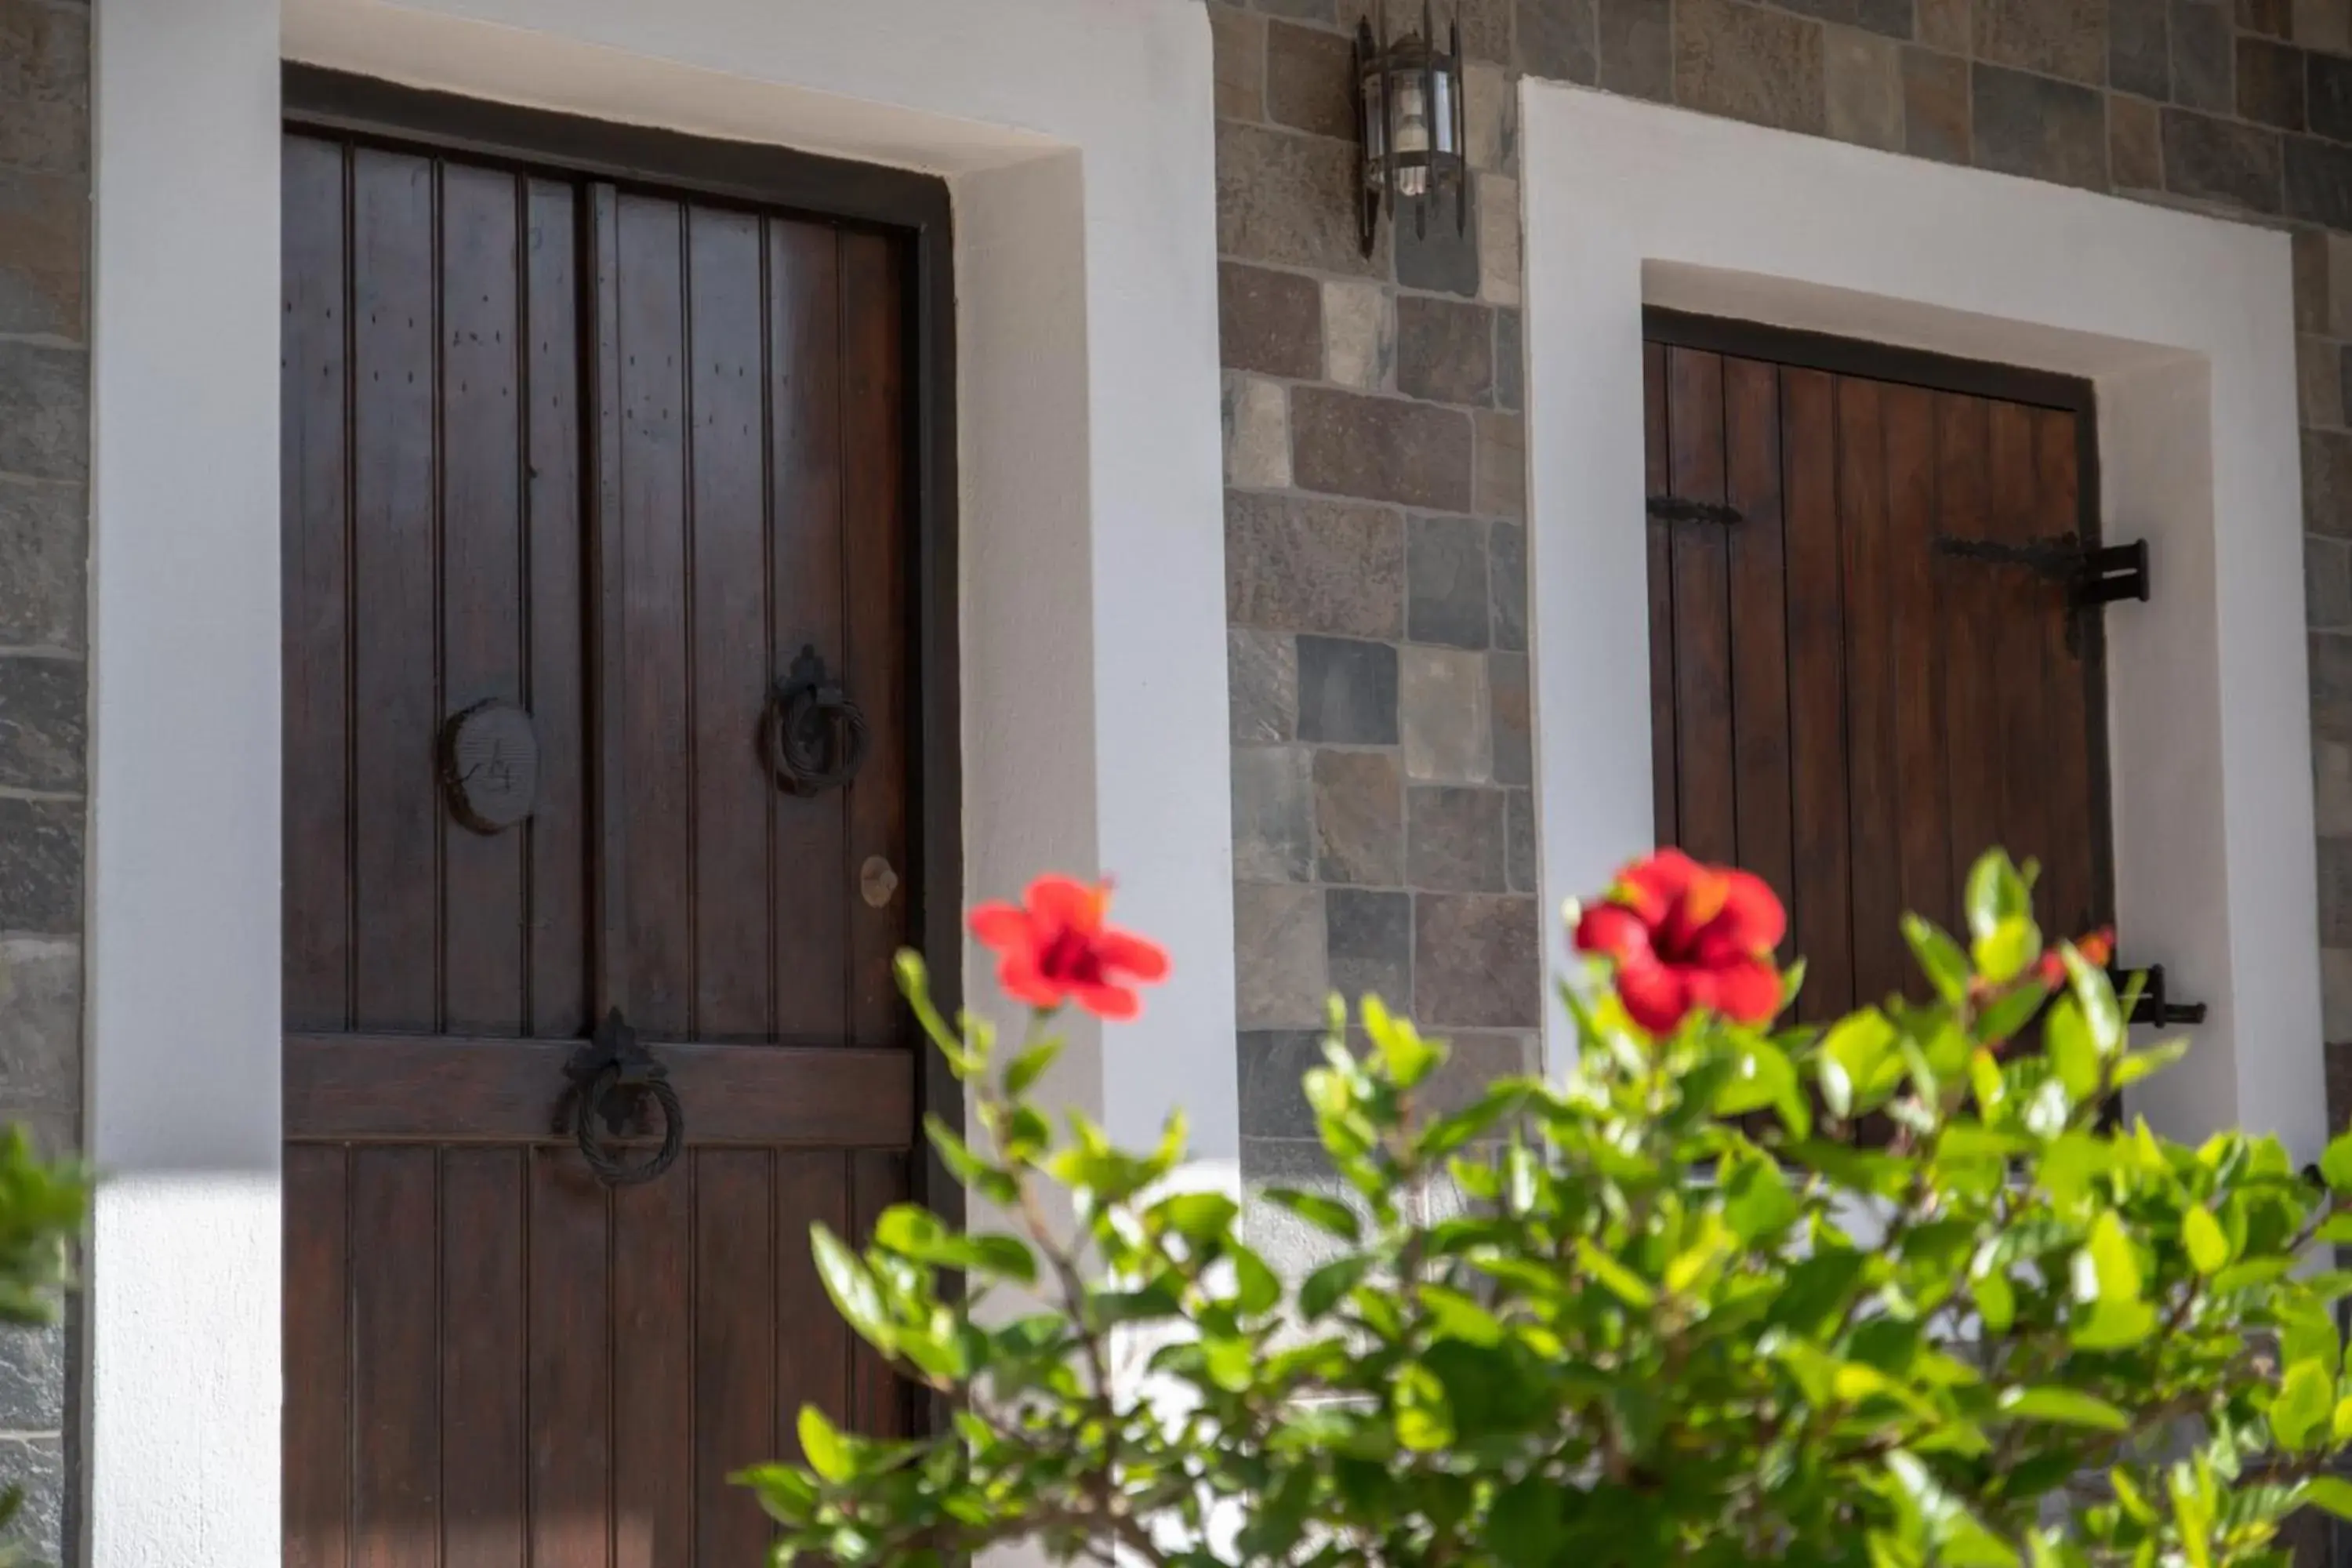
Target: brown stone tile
pixel 2135 143
pixel 1934 106
pixel 2055 38
pixel 1561 39
pixel 1863 77
pixel 2327 80
pixel 2327 483
pixel 1637 55
pixel 2269 83
pixel 1445 351
pixel 1491 118
pixel 2202 56
pixel 1746 63
pixel 2336 1003
pixel 1280 956
pixel 1358 817
pixel 43 86
pixel 1512 699
pixel 2271 18
pixel 2324 23
pixel 1897 19
pixel 44 260
pixel 2335 892
pixel 2219 160
pixel 2039 127
pixel 2319 382
pixel 2319 189
pixel 1303 10
pixel 1381 448
pixel 2331 776
pixel 1298 564
pixel 1309 81
pixel 2331 685
pixel 2327 596
pixel 1510 370
pixel 2335 310
pixel 2311 290
pixel 1947 24
pixel 1476 962
pixel 1288 198
pixel 1237 40
pixel 1454 839
pixel 1269 321
pixel 1501 489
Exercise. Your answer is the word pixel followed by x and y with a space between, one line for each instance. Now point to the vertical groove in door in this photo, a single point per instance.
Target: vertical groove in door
pixel 690 519
pixel 1665 788
pixel 316 1424
pixel 607 780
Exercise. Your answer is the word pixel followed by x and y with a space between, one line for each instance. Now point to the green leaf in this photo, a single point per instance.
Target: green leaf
pixel 1996 1302
pixel 2072 1050
pixel 1326 1213
pixel 2067 1406
pixel 821 1446
pixel 1322 1289
pixel 2331 1493
pixel 2008 950
pixel 1995 892
pixel 1256 1288
pixel 1403 1053
pixel 1860 1047
pixel 1423 1422
pixel 1941 958
pixel 2336 1165
pixel 2113 1262
pixel 1198 1217
pixel 2096 993
pixel 1023 1071
pixel 2114 1325
pixel 2305 1406
pixel 1620 1282
pixel 2201 1235
pixel 855 1295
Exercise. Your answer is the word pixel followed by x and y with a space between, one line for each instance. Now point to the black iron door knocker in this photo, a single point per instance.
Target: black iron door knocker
pixel 816 732
pixel 611 1073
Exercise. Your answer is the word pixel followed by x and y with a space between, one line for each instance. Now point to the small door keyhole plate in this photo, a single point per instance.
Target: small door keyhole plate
pixel 876 881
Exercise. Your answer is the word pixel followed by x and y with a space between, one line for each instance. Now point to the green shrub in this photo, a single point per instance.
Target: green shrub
pixel 41 1210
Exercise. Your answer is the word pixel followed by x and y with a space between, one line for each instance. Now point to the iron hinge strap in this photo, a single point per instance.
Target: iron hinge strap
pixel 2093 575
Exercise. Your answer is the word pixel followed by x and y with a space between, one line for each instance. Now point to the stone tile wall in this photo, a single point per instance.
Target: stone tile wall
pixel 1374 519
pixel 44 457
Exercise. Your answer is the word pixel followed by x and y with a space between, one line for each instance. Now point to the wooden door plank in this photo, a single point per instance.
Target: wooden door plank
pixel 880 668
pixel 481 573
pixel 2071 900
pixel 570 1363
pixel 656 712
pixel 1874 799
pixel 2024 601
pixel 314 535
pixel 1658 477
pixel 1822 916
pixel 608 708
pixel 395 678
pixel 1760 629
pixel 1922 772
pixel 879 1405
pixel 729 628
pixel 558 835
pixel 1708 813
pixel 813 1344
pixel 395 1415
pixel 653 1372
pixel 734 1348
pixel 485 1424
pixel 1972 697
pixel 317 1500
pixel 809 894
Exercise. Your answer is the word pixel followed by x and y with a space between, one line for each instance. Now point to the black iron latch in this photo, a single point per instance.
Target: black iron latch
pixel 1674 509
pixel 2155 1005
pixel 2093 575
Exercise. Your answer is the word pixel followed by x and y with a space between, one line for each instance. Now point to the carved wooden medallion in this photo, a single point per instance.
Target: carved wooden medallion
pixel 490 765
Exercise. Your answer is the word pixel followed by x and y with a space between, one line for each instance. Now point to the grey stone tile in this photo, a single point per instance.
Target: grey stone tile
pixel 2331 685
pixel 32 1379
pixel 1486 28
pixel 1897 19
pixel 38 1465
pixel 1279 957
pixel 2055 38
pixel 1514 710
pixel 43 726
pixel 1288 1243
pixel 1287 199
pixel 43 86
pixel 2331 778
pixel 2310 253
pixel 2202 56
pixel 1310 81
pixel 2319 183
pixel 1473 1063
pixel 2269 83
pixel 44 264
pixel 1237 43
pixel 1746 63
pixel 1359 818
pixel 1371 936
pixel 2135 143
pixel 1440 254
pixel 1500 489
pixel 2220 160
pixel 1637 49
pixel 44 412
pixel 1519 842
pixel 1863 74
pixel 1256 413
pixel 40 866
pixel 1295 563
pixel 1454 837
pixel 2039 128
pixel 2335 892
pixel 1269 321
pixel 2326 584
pixel 1497 210
pixel 1381 448
pixel 1347 691
pixel 1448 737
pixel 2320 382
pixel 2335 1021
pixel 2140 48
pixel 44 552
pixel 1446 581
pixel 1510 367
pixel 1302 10
pixel 1561 39
pixel 2327 81
pixel 1273 1104
pixel 1274 829
pixel 1358 335
pixel 1476 961
pixel 1936 108
pixel 1507 553
pixel 1491 118
pixel 1948 25
pixel 1445 351
pixel 1262 685
pixel 2328 482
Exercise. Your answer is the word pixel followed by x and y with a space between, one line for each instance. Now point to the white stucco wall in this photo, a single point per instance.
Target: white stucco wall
pixel 1076 137
pixel 2185 325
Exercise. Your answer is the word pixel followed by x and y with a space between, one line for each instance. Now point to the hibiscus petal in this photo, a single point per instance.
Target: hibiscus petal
pixel 999 925
pixel 1114 1003
pixel 1655 995
pixel 1023 980
pixel 1615 931
pixel 1144 959
pixel 1753 912
pixel 1066 904
pixel 1650 887
pixel 1748 993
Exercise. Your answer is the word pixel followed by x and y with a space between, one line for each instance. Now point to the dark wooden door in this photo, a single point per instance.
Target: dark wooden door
pixel 615 457
pixel 1850 695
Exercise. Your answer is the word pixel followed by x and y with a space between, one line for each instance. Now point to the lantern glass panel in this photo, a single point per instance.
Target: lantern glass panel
pixel 1412 131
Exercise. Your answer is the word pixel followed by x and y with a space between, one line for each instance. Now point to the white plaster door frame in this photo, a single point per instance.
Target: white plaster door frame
pixel 1076 137
pixel 2183 322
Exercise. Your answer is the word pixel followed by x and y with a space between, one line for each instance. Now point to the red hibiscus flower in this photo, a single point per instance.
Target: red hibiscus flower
pixel 2099 950
pixel 1688 936
pixel 1054 948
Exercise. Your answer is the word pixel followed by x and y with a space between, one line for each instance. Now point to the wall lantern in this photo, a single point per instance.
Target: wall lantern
pixel 1409 113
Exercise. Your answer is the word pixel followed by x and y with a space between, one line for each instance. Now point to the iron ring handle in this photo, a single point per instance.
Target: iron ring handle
pixel 612 1171
pixel 805 759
